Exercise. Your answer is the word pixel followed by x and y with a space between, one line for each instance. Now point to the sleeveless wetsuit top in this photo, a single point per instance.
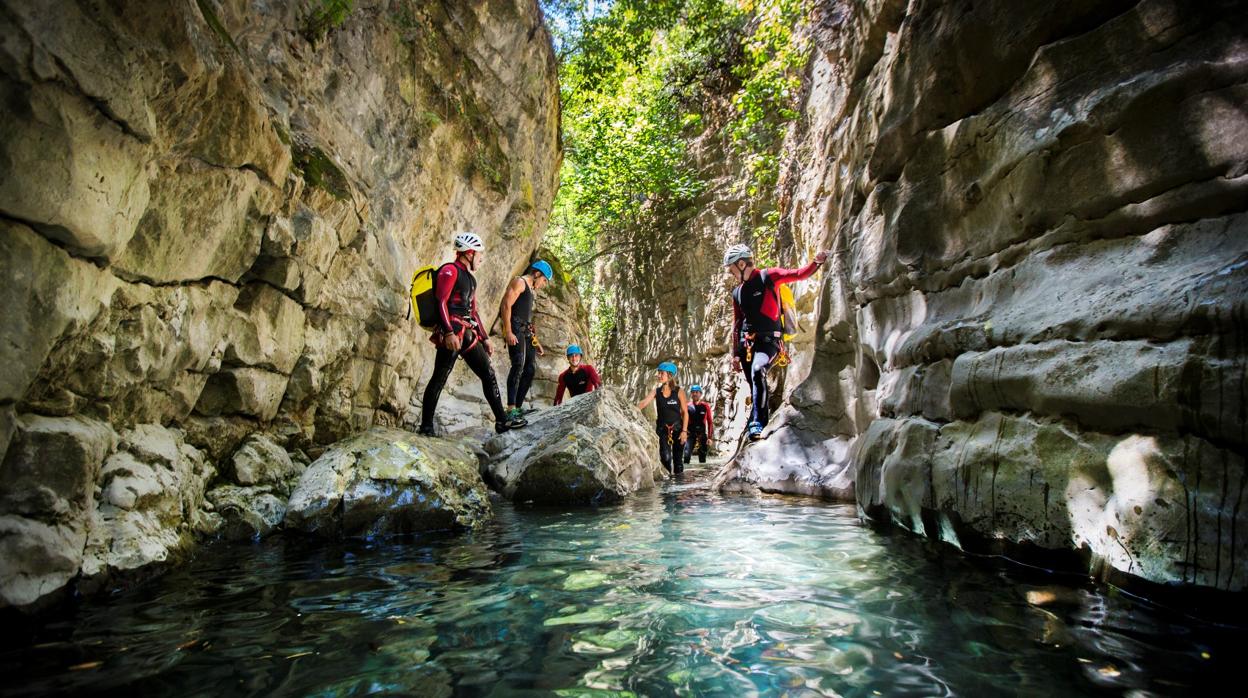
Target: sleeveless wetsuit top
pixel 668 407
pixel 522 309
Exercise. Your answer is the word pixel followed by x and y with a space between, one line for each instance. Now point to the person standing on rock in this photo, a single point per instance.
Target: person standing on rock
pixel 757 331
pixel 516 311
pixel 672 424
pixel 701 426
pixel 579 377
pixel 460 332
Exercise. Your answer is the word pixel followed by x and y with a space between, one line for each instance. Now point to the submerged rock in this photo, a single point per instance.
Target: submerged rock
pixel 593 449
pixel 389 481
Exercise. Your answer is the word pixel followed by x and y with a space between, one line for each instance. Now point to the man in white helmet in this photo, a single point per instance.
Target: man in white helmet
pixel 460 332
pixel 757 332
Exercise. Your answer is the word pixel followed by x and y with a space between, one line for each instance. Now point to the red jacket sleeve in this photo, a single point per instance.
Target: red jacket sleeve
pixel 594 381
pixel 780 275
pixel 442 288
pixel 559 390
pixel 710 423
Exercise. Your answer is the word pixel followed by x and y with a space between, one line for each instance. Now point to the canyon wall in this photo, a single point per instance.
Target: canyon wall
pixel 210 213
pixel 1030 335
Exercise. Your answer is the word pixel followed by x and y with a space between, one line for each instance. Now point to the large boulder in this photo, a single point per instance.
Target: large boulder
pixel 389 481
pixel 796 459
pixel 594 449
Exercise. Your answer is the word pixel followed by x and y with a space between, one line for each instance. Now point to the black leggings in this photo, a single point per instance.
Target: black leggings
pixel 478 360
pixel 523 365
pixel 755 370
pixel 670 447
pixel 696 443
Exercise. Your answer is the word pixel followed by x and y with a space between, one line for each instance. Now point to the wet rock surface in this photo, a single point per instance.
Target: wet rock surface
pixel 595 448
pixel 389 481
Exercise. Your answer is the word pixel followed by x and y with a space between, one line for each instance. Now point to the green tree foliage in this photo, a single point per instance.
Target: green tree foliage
pixel 635 80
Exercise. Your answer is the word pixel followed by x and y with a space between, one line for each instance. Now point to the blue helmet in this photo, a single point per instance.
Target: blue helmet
pixel 668 366
pixel 573 349
pixel 543 267
pixel 695 388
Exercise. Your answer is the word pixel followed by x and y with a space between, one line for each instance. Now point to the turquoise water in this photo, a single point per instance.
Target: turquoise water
pixel 678 592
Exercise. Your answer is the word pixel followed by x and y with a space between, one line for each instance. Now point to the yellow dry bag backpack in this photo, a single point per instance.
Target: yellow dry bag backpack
pixel 424 302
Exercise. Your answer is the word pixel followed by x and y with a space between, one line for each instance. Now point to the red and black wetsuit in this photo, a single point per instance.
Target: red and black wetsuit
pixel 701 430
pixel 455 289
pixel 577 381
pixel 757 329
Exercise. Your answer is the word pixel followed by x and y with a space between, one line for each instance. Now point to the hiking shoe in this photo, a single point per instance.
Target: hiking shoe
pixel 756 431
pixel 425 431
pixel 500 427
pixel 516 422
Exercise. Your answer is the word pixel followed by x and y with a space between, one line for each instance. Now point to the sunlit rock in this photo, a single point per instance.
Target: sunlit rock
pixel 389 481
pixel 595 448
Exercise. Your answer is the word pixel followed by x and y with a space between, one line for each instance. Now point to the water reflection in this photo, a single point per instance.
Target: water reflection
pixel 675 593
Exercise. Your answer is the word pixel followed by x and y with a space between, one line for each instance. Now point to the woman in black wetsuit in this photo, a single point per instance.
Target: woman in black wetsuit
pixel 672 424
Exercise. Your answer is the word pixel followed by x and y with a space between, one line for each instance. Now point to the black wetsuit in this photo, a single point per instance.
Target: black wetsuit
pixel 524 354
pixel 668 427
pixel 698 437
pixel 456 288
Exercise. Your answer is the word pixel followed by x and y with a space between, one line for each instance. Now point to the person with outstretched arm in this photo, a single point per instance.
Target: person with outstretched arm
pixel 516 311
pixel 460 333
pixel 757 331
pixel 579 378
pixel 672 423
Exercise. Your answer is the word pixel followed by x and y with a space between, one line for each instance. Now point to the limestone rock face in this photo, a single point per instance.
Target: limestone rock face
pixel 151 504
pixel 389 481
pixel 595 448
pixel 209 216
pixel 261 476
pixel 1030 332
pixel 46 506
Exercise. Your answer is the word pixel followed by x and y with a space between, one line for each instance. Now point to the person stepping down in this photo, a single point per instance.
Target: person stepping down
pixel 672 423
pixel 579 377
pixel 757 331
pixel 516 311
pixel 701 426
pixel 459 332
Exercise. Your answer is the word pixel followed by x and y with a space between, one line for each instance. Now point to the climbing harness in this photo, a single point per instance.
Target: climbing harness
pixel 670 429
pixel 749 347
pixel 782 359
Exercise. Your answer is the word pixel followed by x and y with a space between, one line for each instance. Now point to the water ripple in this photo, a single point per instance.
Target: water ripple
pixel 679 592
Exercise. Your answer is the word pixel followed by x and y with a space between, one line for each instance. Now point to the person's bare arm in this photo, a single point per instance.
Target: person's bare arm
pixel 684 416
pixel 646 401
pixel 514 289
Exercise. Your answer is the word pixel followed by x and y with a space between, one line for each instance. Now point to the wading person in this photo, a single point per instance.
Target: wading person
pixel 460 333
pixel 516 311
pixel 701 426
pixel 672 423
pixel 578 378
pixel 757 331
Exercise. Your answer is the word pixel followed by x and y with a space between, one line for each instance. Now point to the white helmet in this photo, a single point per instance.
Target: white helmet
pixel 737 253
pixel 468 241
